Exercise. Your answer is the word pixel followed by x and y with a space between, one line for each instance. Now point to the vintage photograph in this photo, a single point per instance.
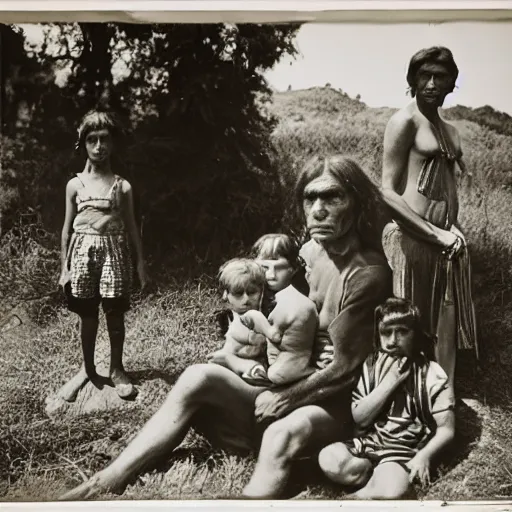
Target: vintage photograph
pixel 255 261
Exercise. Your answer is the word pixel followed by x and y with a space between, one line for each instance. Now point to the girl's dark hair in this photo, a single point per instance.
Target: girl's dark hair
pixel 277 245
pixel 98 120
pixel 434 55
pixel 368 205
pixel 404 311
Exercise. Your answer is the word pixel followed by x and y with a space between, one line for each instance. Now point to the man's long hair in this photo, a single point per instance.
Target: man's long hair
pixel 368 206
pixel 435 55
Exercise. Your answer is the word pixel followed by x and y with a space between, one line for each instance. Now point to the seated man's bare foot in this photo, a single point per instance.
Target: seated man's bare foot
pixel 122 383
pixel 70 390
pixel 94 487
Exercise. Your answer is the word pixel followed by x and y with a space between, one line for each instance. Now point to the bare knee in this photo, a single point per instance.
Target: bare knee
pixel 379 492
pixel 193 383
pixel 331 462
pixel 340 466
pixel 386 485
pixel 285 438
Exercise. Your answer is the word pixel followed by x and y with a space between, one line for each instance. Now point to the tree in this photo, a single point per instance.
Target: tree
pixel 194 97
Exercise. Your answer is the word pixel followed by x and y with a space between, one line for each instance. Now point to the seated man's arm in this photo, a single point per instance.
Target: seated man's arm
pixel 352 336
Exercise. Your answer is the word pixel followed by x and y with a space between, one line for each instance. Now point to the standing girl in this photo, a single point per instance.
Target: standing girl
pixel 96 262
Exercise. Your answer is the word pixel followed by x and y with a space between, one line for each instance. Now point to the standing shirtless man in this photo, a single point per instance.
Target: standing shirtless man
pixel 425 248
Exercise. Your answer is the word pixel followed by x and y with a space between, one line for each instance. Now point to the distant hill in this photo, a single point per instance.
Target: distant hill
pixel 324 119
pixel 327 100
pixel 499 122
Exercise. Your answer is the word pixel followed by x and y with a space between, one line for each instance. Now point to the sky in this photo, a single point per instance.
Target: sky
pixel 371 60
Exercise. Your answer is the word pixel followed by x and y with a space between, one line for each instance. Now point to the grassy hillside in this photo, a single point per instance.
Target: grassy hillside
pixel 171 328
pixel 324 119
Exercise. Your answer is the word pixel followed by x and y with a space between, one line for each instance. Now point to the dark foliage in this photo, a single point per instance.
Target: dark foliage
pixel 197 150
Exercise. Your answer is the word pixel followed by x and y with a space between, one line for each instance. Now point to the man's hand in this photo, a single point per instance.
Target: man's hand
pixel 420 468
pixel 269 406
pixel 326 357
pixel 240 333
pixel 453 242
pixel 256 338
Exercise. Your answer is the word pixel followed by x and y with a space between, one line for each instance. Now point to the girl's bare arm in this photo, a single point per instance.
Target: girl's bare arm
pixel 69 216
pixel 419 466
pixel 366 410
pixel 133 232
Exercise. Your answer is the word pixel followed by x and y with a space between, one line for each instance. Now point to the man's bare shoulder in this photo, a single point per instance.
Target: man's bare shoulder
pixel 405 118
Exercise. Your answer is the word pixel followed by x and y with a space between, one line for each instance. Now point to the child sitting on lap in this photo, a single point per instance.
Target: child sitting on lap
pixel 292 313
pixel 242 282
pixel 402 408
pixel 289 332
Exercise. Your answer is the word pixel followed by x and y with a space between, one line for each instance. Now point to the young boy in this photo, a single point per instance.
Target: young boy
pixel 242 282
pixel 402 409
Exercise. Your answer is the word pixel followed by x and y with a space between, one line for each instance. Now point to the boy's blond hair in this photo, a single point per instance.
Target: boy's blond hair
pixel 236 274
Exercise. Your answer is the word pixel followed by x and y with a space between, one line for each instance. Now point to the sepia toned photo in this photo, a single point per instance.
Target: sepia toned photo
pixel 255 261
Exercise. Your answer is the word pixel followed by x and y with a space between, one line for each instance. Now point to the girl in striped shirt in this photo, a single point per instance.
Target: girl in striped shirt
pixel 402 408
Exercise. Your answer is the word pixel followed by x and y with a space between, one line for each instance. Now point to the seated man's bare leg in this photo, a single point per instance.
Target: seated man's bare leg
pixel 340 466
pixel 390 481
pixel 282 442
pixel 201 384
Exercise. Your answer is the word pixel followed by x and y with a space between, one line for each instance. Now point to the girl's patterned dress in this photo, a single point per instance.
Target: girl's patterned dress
pixel 99 256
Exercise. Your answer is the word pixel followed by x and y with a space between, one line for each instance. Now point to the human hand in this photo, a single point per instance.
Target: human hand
pixel 419 467
pixel 399 370
pixel 65 278
pixel 256 338
pixel 269 406
pixel 217 357
pixel 239 332
pixel 452 243
pixel 461 238
pixel 326 357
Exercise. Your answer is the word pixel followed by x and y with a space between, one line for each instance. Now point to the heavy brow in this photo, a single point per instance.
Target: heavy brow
pixel 320 192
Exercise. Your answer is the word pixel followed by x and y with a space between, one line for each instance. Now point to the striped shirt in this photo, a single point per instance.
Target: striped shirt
pixel 407 422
